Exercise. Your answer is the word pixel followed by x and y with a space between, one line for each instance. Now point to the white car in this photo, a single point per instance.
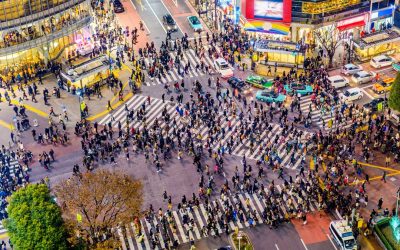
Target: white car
pixel 338 81
pixel 381 61
pixel 363 77
pixel 351 95
pixel 223 68
pixel 350 69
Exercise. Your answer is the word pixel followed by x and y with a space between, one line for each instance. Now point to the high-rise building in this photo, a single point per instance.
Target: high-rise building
pixel 32 32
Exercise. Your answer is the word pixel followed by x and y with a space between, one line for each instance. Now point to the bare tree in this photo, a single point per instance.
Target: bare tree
pixel 330 39
pixel 98 202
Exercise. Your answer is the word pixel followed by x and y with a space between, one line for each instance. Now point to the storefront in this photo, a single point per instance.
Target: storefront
pixel 283 53
pixel 352 27
pixel 383 42
pixel 87 73
pixel 382 19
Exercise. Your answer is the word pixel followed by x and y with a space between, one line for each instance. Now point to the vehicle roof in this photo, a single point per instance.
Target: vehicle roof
pixel 336 77
pixel 341 226
pixel 380 57
pixel 362 72
pixel 220 60
pixel 354 90
pixel 350 65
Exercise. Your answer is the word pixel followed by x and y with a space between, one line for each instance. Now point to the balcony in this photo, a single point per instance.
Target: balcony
pixel 44 40
pixel 9 24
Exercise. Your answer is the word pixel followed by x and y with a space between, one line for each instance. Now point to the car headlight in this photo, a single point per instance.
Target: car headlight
pixel 168 27
pixel 175 27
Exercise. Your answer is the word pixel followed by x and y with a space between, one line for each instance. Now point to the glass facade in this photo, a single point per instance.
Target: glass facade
pixel 35 31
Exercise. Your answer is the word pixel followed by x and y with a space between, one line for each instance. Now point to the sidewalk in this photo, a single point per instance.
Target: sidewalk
pixel 130 18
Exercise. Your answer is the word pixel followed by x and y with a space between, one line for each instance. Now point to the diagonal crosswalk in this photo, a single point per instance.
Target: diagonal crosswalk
pixel 14 170
pixel 190 223
pixel 253 148
pixel 173 75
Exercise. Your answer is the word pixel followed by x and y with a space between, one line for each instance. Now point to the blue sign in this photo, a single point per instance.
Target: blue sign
pixel 237 14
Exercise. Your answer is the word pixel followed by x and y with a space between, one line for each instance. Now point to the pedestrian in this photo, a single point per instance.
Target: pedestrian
pixel 383 176
pixel 109 107
pixel 380 203
pixel 387 160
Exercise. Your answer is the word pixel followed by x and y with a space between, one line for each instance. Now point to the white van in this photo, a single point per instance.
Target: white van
pixel 338 81
pixel 343 235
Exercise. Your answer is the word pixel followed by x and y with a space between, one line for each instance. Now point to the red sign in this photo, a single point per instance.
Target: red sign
pixel 269 10
pixel 352 22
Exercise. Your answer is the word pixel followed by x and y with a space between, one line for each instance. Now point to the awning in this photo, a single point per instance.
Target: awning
pixel 351 25
pixel 267 27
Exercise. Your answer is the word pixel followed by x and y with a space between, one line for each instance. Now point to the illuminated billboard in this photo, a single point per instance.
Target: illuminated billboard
pixel 268 9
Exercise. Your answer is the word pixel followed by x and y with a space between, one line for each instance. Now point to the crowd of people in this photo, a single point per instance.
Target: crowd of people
pixel 231 121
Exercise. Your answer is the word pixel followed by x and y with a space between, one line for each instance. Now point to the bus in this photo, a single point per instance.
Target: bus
pixel 343 235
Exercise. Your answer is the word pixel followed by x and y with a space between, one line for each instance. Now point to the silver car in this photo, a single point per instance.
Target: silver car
pixel 363 77
pixel 350 69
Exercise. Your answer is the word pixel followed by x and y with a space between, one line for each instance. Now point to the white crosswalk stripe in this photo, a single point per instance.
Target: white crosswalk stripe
pixel 173 75
pixel 15 170
pixel 251 203
pixel 282 151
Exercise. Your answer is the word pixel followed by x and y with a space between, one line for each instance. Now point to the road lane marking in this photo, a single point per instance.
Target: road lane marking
pixel 329 237
pixel 6 125
pixel 304 244
pixel 276 245
pixel 133 5
pixel 158 19
pixel 365 92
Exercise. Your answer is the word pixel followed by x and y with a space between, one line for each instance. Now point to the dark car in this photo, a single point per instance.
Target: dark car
pixel 372 106
pixel 237 83
pixel 169 23
pixel 118 6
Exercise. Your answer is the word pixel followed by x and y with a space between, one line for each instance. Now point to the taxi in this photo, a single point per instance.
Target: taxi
pixel 383 86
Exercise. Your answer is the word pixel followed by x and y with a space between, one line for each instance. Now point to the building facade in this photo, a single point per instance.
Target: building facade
pixel 365 25
pixel 32 32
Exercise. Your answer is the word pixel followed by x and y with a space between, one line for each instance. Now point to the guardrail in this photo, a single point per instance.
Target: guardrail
pixel 47 38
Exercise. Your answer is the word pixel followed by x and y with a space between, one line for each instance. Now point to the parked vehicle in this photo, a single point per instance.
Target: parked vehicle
pixel 169 23
pixel 342 234
pixel 259 81
pixel 338 81
pixel 270 96
pixel 383 86
pixel 118 6
pixel 351 95
pixel 350 69
pixel 237 83
pixel 223 68
pixel 295 88
pixel 195 23
pixel 381 61
pixel 363 77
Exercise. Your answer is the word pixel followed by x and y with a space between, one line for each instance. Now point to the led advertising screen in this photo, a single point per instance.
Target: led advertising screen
pixel 268 9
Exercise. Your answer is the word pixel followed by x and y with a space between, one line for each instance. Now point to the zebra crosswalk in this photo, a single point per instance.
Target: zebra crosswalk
pixel 323 118
pixel 173 75
pixel 251 148
pixel 15 171
pixel 190 223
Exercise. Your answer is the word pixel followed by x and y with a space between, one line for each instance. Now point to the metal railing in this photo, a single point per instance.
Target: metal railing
pixel 12 24
pixel 44 40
